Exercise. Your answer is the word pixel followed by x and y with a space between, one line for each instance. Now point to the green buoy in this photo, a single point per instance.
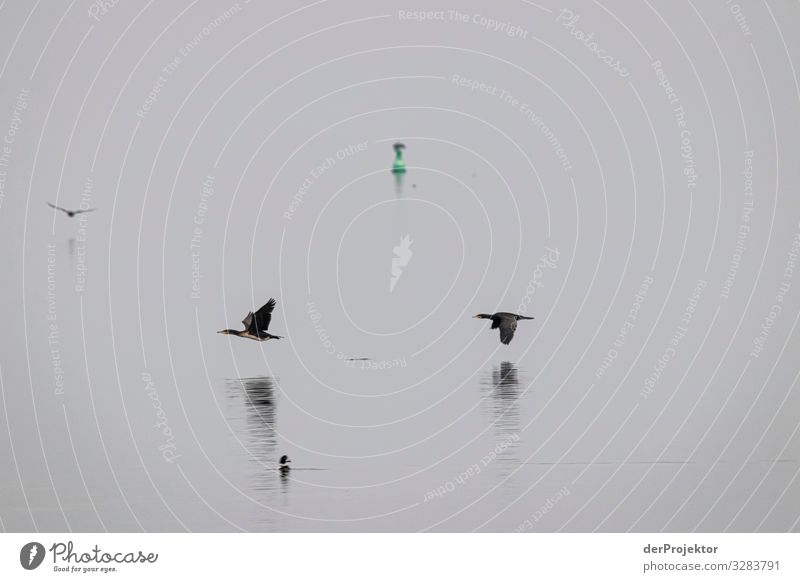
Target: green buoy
pixel 399 165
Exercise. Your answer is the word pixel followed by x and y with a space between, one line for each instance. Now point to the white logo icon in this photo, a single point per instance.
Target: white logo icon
pixel 401 259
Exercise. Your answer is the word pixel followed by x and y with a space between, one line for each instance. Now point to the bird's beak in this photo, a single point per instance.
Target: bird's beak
pixel 475 316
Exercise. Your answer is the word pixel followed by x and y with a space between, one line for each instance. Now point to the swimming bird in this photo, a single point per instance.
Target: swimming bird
pixel 284 464
pixel 507 322
pixel 70 213
pixel 256 324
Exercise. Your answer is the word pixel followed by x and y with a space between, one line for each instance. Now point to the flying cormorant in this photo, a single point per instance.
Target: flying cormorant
pixel 507 322
pixel 70 213
pixel 256 324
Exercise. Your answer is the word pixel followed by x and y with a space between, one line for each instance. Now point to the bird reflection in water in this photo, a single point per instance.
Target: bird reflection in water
pixel 259 407
pixel 503 388
pixel 283 470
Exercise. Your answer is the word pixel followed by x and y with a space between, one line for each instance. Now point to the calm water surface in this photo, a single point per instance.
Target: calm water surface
pixel 633 400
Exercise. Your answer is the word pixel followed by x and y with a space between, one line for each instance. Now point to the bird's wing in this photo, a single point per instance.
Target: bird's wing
pixel 264 316
pixel 87 210
pixel 248 320
pixel 56 207
pixel 507 328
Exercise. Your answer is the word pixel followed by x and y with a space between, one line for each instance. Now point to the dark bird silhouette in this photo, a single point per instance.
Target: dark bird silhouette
pixel 284 464
pixel 70 213
pixel 507 322
pixel 256 324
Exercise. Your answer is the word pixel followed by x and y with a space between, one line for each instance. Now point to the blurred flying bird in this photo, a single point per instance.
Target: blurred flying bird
pixel 507 322
pixel 70 213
